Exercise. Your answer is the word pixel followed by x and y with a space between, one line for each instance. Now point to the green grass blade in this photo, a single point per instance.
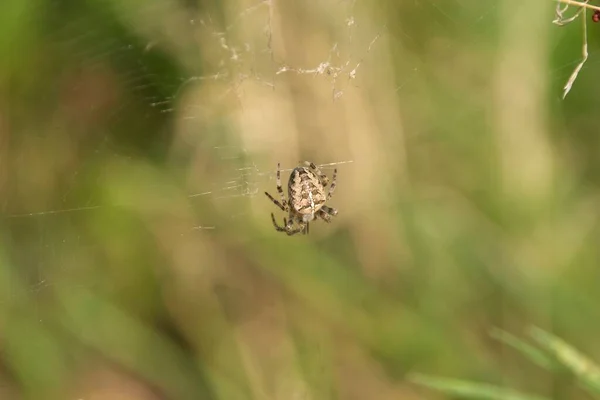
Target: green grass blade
pixel 581 366
pixel 470 390
pixel 535 355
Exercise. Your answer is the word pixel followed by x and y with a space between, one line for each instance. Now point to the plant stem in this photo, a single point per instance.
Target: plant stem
pixel 579 4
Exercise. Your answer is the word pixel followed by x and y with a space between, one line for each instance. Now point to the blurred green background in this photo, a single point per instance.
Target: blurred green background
pixel 138 259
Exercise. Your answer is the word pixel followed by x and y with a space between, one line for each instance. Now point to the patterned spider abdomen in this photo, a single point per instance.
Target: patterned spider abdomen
pixel 306 192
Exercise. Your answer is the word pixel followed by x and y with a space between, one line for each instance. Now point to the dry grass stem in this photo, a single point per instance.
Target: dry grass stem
pixel 561 20
pixel 583 4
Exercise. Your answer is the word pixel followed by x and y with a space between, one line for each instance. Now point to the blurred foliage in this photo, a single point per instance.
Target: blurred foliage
pixel 138 259
pixel 555 356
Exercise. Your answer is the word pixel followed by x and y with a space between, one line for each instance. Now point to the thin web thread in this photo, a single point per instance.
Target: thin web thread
pixel 245 187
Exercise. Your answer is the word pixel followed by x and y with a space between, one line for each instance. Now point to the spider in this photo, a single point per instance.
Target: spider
pixel 306 198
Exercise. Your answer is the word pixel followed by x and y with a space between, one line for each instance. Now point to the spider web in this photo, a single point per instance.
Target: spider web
pixel 42 237
pixel 244 62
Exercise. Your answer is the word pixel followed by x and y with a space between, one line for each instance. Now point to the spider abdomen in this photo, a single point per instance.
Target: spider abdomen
pixel 305 190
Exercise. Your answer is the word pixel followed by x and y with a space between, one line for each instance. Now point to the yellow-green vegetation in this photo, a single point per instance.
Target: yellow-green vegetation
pixel 137 255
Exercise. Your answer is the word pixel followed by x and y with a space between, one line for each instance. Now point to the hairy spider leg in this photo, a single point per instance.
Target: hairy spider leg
pixel 284 204
pixel 333 183
pixel 279 189
pixel 291 231
pixel 277 203
pixel 331 211
pixel 277 227
pixel 324 216
pixel 287 228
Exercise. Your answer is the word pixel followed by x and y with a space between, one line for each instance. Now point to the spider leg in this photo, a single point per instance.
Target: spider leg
pixel 277 227
pixel 324 216
pixel 279 189
pixel 328 210
pixel 299 229
pixel 333 183
pixel 305 230
pixel 288 226
pixel 292 231
pixel 322 177
pixel 277 203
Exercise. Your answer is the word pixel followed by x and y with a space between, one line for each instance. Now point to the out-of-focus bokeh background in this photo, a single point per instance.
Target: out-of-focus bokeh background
pixel 138 259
